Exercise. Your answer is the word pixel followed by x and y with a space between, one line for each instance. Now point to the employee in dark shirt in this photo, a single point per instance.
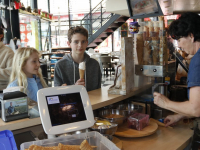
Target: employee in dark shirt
pixel 186 30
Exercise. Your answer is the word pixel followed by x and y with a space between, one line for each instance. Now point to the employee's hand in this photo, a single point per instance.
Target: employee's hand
pixel 80 82
pixel 64 84
pixel 160 100
pixel 171 120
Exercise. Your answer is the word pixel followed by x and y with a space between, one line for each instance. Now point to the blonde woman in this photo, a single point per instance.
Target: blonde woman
pixel 26 72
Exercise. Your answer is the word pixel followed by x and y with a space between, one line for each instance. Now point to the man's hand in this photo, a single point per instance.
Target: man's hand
pixel 160 100
pixel 64 84
pixel 80 82
pixel 172 119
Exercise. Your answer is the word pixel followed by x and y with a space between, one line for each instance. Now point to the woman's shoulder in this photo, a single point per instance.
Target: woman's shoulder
pixel 13 84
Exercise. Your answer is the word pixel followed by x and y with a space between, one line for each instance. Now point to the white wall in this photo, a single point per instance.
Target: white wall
pixel 118 7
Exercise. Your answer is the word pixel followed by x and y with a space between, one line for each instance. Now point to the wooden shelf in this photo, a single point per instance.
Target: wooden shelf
pixel 61 48
pixel 33 15
pixel 28 14
pixel 45 19
pixel 56 57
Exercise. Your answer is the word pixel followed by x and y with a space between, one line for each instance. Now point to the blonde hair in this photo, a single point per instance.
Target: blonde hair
pixel 19 61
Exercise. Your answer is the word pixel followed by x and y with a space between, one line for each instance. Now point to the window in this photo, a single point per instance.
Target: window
pixel 26 3
pixel 43 4
pixel 59 7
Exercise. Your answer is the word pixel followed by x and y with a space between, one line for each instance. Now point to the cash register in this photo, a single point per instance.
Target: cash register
pixel 64 109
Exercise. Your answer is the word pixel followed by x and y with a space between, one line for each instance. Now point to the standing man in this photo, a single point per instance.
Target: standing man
pixel 6 58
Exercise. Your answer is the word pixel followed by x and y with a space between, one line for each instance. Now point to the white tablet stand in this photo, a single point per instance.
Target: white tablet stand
pixel 64 109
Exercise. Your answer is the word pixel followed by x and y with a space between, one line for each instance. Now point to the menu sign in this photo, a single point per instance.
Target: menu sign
pixel 141 7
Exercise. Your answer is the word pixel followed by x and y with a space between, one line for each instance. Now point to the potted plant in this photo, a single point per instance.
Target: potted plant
pixel 17 4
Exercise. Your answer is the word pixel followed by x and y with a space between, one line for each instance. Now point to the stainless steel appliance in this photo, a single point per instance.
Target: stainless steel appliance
pixel 150 70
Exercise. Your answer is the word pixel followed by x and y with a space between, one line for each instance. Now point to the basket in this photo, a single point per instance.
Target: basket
pixel 93 138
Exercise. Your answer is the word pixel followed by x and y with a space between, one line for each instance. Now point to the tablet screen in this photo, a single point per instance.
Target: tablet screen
pixel 65 108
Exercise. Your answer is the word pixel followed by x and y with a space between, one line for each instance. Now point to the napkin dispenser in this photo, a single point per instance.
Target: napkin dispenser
pixel 13 106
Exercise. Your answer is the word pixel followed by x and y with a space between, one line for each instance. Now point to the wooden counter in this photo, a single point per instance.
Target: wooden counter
pixel 99 98
pixel 164 139
pixel 19 124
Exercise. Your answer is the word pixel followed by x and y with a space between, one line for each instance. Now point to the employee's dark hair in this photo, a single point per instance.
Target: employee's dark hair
pixel 188 23
pixel 1 32
pixel 77 29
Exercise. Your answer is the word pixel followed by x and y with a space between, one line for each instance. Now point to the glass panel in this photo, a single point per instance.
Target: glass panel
pixel 105 46
pixel 95 3
pixel 45 35
pixel 117 40
pixel 97 20
pixel 43 4
pixel 28 31
pixel 58 7
pixel 59 36
pixel 77 12
pixel 77 6
pixel 26 3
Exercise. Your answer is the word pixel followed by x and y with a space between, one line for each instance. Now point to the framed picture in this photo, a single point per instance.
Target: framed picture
pixel 124 27
pixel 16 107
pixel 124 33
